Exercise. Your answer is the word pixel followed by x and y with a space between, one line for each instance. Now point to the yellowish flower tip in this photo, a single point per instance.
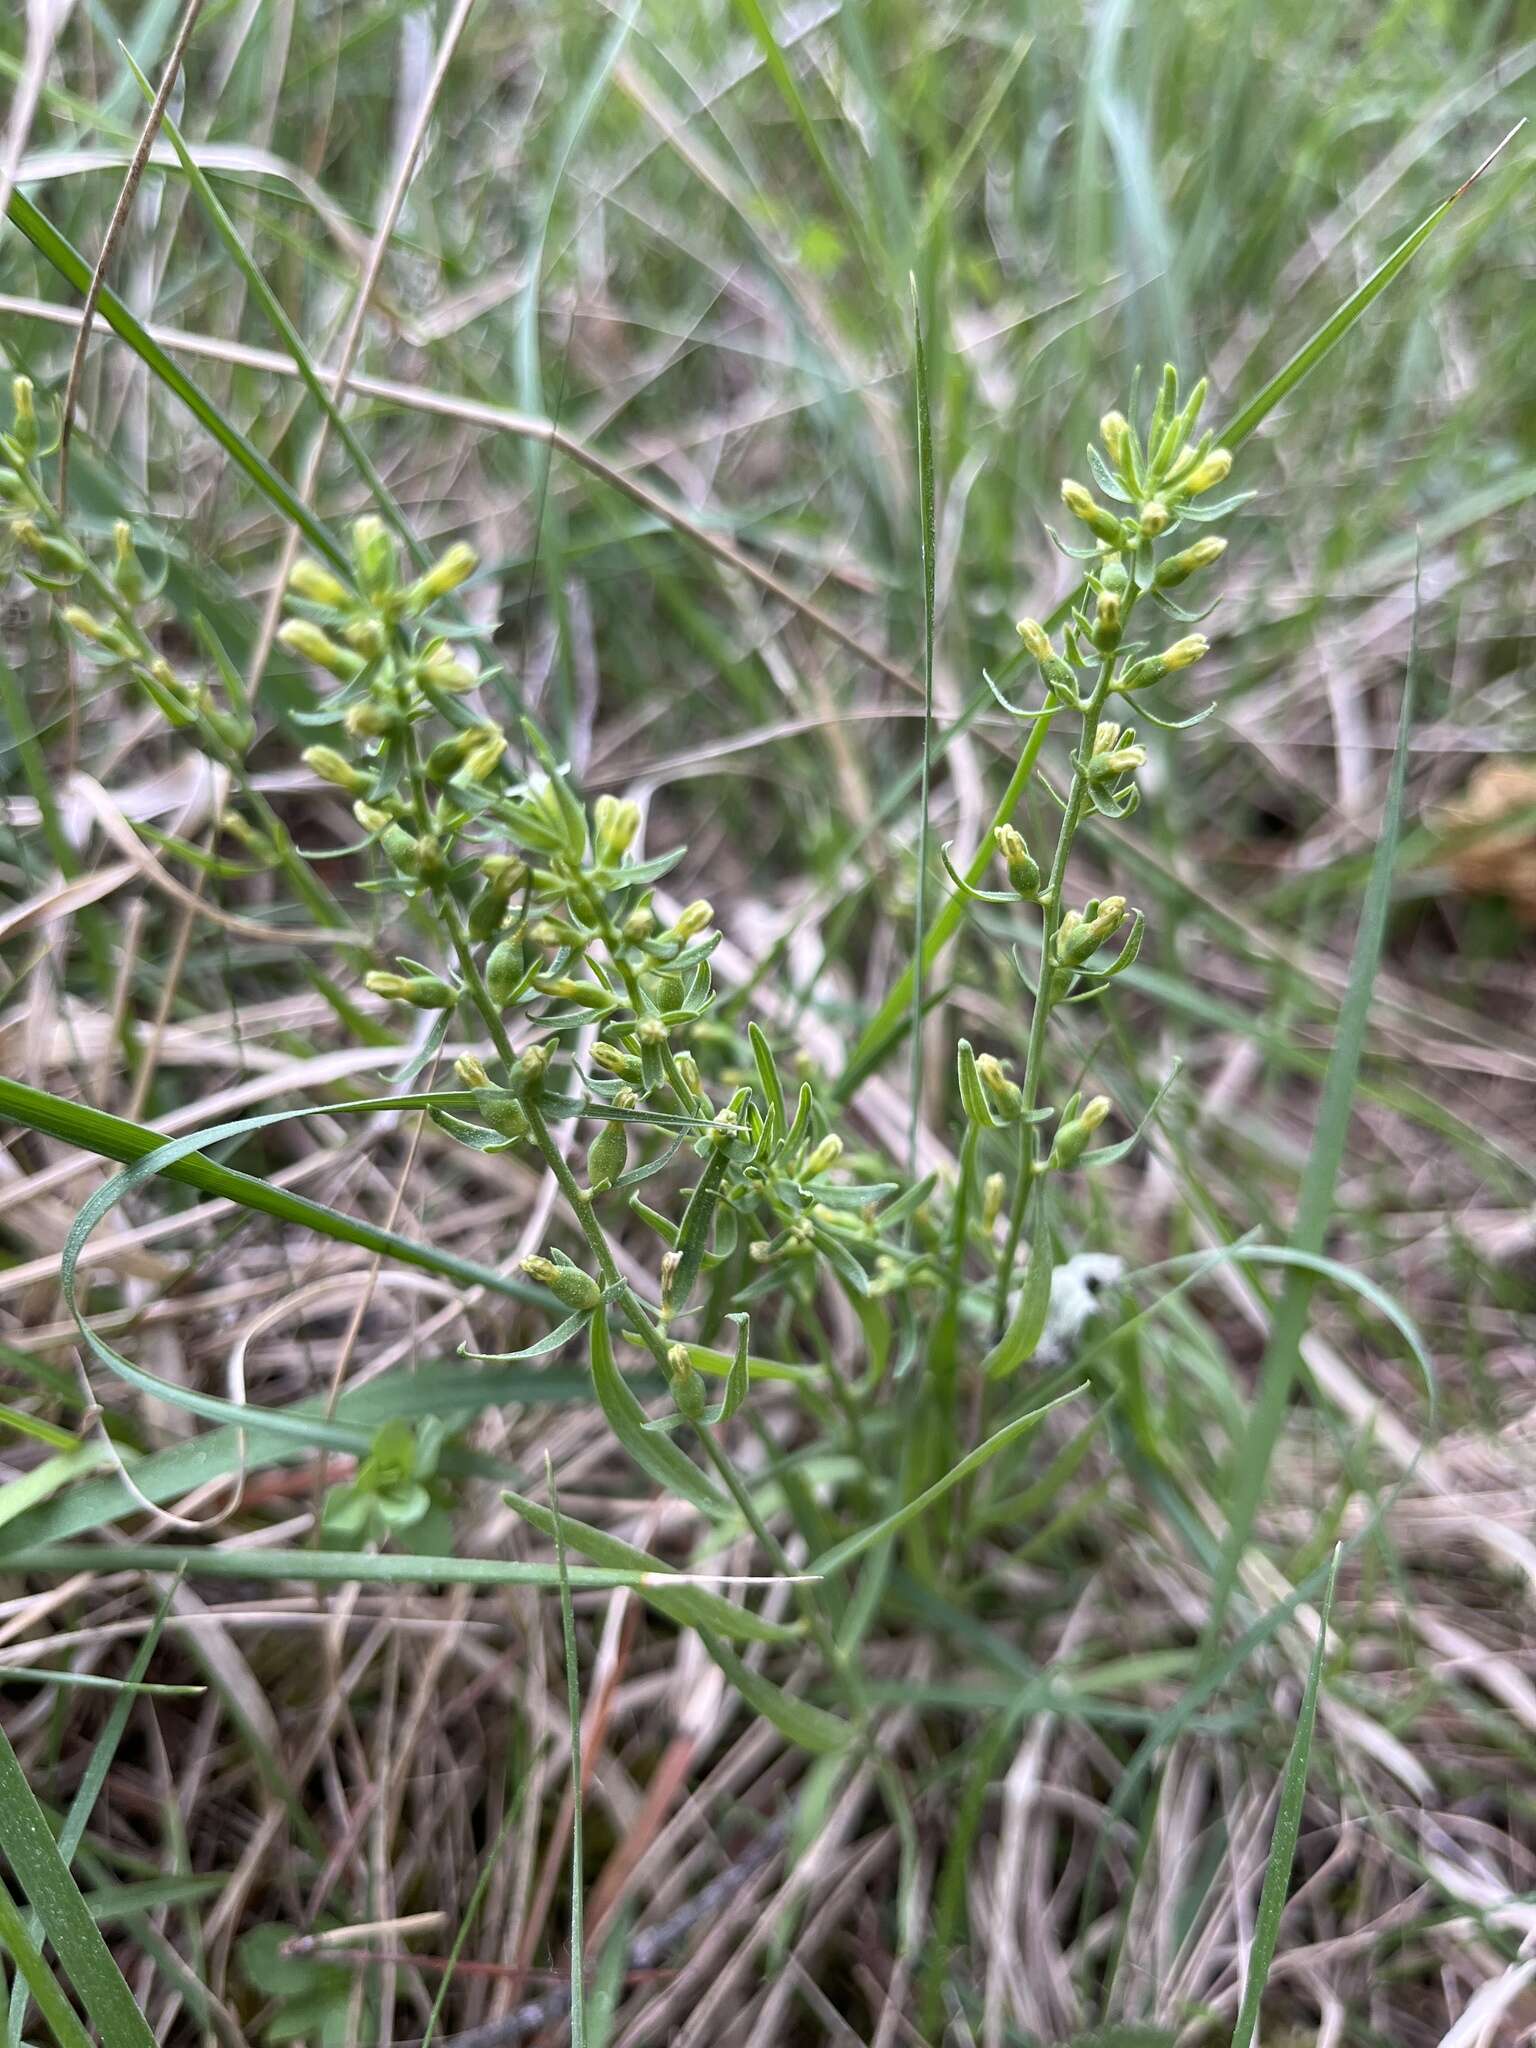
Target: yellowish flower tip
pixel 1154 516
pixel 693 920
pixel 1079 502
pixel 1115 432
pixel 826 1154
pixel 453 567
pixel 1094 1111
pixel 305 639
pixel 1036 639
pixel 1216 467
pixel 311 580
pixel 472 1071
pixel 1186 652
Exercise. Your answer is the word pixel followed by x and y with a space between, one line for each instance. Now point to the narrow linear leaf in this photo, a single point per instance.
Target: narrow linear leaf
pixel 806 1725
pixel 54 1896
pixel 657 1456
pixel 690 1606
pixel 844 1553
pixel 1319 1178
pixel 71 265
pixel 1282 1847
pixel 115 1137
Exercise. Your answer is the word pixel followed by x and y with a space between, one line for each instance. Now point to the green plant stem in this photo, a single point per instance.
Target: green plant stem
pixel 894 1014
pixel 1040 1017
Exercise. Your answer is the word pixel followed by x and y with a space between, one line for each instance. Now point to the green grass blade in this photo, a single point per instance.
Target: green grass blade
pixel 318 1567
pixel 72 266
pixel 927 545
pixel 659 1458
pixel 115 1137
pixel 39 1979
pixel 271 305
pixel 54 1896
pixel 690 1606
pixel 844 1553
pixel 573 1713
pixel 1334 329
pixel 1319 1178
pixel 801 1722
pixel 1282 1848
pixel 103 1750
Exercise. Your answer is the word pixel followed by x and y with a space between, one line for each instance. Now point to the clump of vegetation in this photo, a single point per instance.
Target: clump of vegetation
pixel 784 1546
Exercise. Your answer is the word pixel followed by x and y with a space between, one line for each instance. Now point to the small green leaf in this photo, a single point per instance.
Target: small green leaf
pixel 657 1456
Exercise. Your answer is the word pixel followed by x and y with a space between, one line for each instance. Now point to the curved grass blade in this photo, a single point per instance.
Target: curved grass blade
pixel 71 265
pixel 115 1137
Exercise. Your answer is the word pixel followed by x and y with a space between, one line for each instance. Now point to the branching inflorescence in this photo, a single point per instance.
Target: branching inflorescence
pixel 542 919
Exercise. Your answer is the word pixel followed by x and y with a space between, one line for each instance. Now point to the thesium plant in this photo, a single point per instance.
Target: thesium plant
pixel 726 1281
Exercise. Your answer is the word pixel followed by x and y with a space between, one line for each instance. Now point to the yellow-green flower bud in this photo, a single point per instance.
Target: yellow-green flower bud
pixel 615 822
pixel 57 556
pixel 366 637
pixel 567 1284
pixel 376 556
pixel 533 1064
pixel 1082 505
pixel 312 581
pixel 453 567
pixel 822 1156
pixel 1154 517
pixel 1078 938
pixel 337 770
pixel 994 1079
pixel 1185 653
pixel 441 669
pixel 305 639
pixel 469 756
pixel 693 920
pixel 370 720
pixel 1116 761
pixel 1072 1137
pixel 127 569
pixel 472 1071
pixel 639 925
pixel 422 991
pixel 651 1031
pixel 504 970
pixel 993 1189
pixel 1180 567
pixel 611 1059
pixel 1115 433
pixel 1108 621
pixel 564 988
pixel 102 633
pixel 23 418
pixel 1023 868
pixel 1036 639
pixel 686 1387
pixel 1216 467
pixel 607 1157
